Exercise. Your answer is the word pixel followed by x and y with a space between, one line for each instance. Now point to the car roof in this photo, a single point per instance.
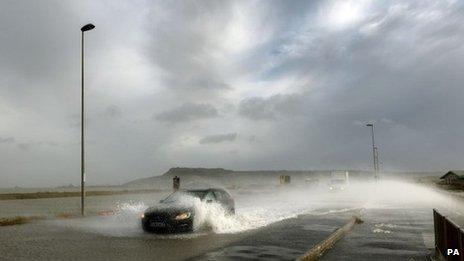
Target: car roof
pixel 204 190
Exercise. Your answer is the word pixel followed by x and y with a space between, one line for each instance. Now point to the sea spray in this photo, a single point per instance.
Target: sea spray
pixel 258 208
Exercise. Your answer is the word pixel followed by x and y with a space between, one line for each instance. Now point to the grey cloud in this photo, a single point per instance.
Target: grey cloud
pixel 188 112
pixel 27 144
pixel 210 84
pixel 24 146
pixel 186 54
pixel 32 38
pixel 258 108
pixel 7 140
pixel 400 65
pixel 218 138
pixel 113 111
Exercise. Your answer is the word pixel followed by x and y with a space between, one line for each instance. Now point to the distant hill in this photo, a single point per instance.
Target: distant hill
pixel 225 177
pixel 186 174
pixel 178 171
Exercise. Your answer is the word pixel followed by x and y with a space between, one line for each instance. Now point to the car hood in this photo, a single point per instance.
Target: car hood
pixel 170 208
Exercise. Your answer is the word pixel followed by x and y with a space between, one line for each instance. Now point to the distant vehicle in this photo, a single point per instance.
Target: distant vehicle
pixel 339 180
pixel 312 181
pixel 176 213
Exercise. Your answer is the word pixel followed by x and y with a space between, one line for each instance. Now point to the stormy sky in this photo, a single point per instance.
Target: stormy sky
pixel 242 85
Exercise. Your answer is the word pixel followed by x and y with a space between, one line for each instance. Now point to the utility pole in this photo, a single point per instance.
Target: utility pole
pixel 86 27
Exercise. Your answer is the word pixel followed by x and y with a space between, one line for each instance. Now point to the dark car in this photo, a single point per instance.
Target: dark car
pixel 176 213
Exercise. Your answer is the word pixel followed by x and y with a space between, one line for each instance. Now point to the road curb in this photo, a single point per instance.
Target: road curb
pixel 318 250
pixel 21 220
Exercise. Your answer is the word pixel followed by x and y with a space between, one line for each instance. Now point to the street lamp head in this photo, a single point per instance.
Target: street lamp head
pixel 87 27
pixel 369 125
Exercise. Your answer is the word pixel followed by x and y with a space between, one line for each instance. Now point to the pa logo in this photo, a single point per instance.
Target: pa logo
pixel 452 252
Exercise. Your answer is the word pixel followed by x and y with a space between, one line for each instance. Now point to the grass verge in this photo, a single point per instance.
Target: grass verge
pixel 18 220
pixel 49 194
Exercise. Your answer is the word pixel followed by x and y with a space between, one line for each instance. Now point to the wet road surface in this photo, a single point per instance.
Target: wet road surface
pixel 387 234
pixel 396 227
pixel 284 240
pixel 393 234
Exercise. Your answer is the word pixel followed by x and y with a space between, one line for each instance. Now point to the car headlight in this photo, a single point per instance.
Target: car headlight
pixel 183 216
pixel 331 188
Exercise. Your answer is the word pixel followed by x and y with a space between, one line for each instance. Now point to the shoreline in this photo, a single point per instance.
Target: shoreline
pixel 53 194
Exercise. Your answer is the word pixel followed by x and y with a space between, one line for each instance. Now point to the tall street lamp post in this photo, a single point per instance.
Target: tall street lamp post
pixel 85 28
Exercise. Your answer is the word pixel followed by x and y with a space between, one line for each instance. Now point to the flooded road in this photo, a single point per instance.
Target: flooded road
pixel 284 240
pixel 271 224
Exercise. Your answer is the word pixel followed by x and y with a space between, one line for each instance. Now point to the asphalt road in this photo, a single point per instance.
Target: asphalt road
pixel 395 228
pixel 284 240
pixel 388 234
pixel 393 234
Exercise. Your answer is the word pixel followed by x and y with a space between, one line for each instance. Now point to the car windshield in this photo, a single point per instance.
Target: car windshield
pixel 180 195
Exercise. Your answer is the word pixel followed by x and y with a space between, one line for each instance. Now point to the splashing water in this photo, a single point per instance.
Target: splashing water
pixel 125 221
pixel 259 208
pixel 215 217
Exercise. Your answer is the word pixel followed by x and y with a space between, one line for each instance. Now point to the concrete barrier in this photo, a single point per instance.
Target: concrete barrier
pixel 319 249
pixel 449 238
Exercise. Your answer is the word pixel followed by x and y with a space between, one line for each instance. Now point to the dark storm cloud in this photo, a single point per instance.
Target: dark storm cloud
pixel 218 138
pixel 36 39
pixel 182 42
pixel 7 140
pixel 188 112
pixel 303 78
pixel 257 108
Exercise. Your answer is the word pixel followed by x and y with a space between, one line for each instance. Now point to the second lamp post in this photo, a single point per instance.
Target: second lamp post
pixel 374 151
